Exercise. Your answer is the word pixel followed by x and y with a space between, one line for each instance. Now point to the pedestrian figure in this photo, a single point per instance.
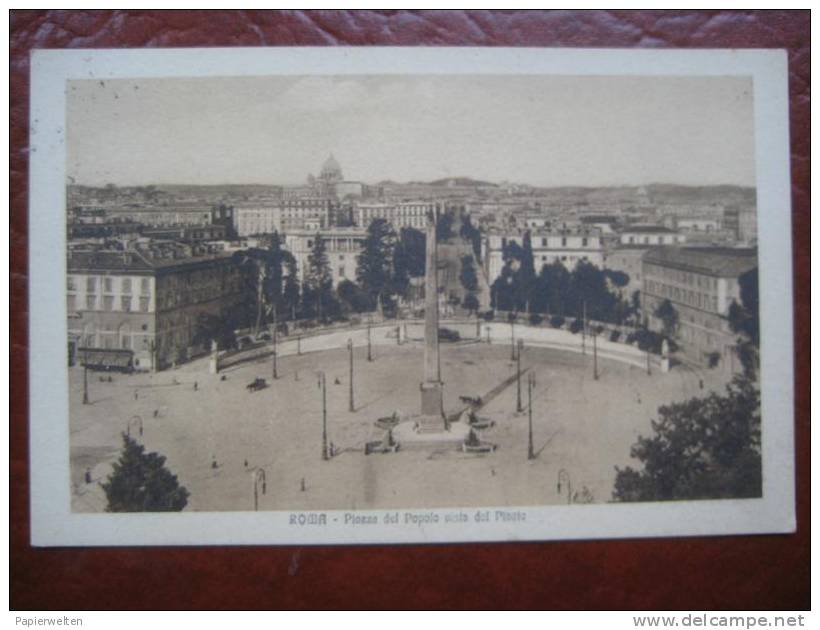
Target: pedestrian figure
pixel 214 465
pixel 136 394
pixel 303 484
pixel 700 383
pixel 223 378
pixel 88 475
pixel 639 399
pixel 196 386
pixel 337 381
pixel 246 463
pixel 156 412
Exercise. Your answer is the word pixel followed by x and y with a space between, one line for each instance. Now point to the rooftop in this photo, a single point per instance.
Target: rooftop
pixel 648 229
pixel 133 261
pixel 725 262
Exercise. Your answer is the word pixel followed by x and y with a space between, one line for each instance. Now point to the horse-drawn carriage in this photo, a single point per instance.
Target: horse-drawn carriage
pixel 256 384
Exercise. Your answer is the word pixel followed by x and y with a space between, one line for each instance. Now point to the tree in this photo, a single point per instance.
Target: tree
pixel 352 297
pixel 375 270
pixel 266 267
pixel 704 448
pixel 444 226
pixel 318 298
pixel 290 291
pixel 744 320
pixel 468 277
pixel 471 303
pixel 140 482
pixel 669 318
pixel 472 234
pixel 525 283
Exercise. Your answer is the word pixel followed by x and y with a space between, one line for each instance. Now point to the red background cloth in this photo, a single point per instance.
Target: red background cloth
pixel 745 572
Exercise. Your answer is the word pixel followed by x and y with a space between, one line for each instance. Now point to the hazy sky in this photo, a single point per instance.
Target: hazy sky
pixel 541 130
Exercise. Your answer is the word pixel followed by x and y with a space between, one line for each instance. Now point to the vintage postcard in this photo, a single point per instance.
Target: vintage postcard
pixel 297 296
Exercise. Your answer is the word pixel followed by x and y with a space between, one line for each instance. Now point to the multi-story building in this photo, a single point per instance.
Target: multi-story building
pixel 569 247
pixel 257 218
pixel 342 246
pixel 399 214
pixel 148 308
pixel 628 260
pixel 293 213
pixel 741 222
pixel 650 235
pixel 701 284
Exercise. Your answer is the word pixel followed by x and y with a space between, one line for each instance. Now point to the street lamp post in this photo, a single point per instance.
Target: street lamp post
pixel 487 328
pixel 275 345
pixel 563 477
pixel 351 407
pixel 85 378
pixel 530 387
pixel 369 350
pixel 584 329
pixel 512 338
pixel 518 406
pixel 322 386
pixel 595 355
pixel 648 362
pixel 258 476
pixel 299 344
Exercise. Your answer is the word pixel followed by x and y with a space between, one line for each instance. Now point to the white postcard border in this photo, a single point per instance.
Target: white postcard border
pixel 53 523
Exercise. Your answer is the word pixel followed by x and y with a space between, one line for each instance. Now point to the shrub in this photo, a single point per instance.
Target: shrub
pixel 140 482
pixel 511 317
pixel 576 326
pixel 536 319
pixel 488 316
pixel 615 335
pixel 556 321
pixel 714 359
pixel 447 334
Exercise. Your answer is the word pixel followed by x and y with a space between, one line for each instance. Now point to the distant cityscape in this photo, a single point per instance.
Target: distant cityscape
pixel 146 264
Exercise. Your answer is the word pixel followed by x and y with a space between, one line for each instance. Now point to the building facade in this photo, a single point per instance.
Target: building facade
pixel 401 214
pixel 342 245
pixel 701 284
pixel 650 235
pixel 147 307
pixel 569 247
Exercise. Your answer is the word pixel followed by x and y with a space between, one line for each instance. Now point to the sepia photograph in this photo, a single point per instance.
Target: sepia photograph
pixel 424 301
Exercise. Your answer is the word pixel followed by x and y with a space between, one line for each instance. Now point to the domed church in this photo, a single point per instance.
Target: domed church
pixel 331 172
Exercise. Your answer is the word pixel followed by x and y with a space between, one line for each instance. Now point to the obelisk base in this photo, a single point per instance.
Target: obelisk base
pixel 432 418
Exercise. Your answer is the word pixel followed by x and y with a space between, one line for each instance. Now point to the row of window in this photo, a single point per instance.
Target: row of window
pixel 126 303
pixel 109 283
pixel 685 296
pixel 683 277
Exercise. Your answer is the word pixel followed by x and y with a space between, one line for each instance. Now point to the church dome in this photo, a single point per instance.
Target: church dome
pixel 331 171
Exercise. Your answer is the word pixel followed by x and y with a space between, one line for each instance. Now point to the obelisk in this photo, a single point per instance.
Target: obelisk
pixel 432 404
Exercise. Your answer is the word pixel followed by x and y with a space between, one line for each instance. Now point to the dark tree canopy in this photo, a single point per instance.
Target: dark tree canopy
pixel 669 318
pixel 704 448
pixel 318 299
pixel 375 270
pixel 140 482
pixel 744 320
pixel 472 234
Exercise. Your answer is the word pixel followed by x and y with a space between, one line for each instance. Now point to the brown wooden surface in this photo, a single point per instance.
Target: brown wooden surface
pixel 748 572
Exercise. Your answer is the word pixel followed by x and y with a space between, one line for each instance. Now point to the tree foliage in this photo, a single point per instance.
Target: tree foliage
pixel 318 299
pixel 704 448
pixel 375 270
pixel 471 233
pixel 744 320
pixel 140 482
pixel 669 318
